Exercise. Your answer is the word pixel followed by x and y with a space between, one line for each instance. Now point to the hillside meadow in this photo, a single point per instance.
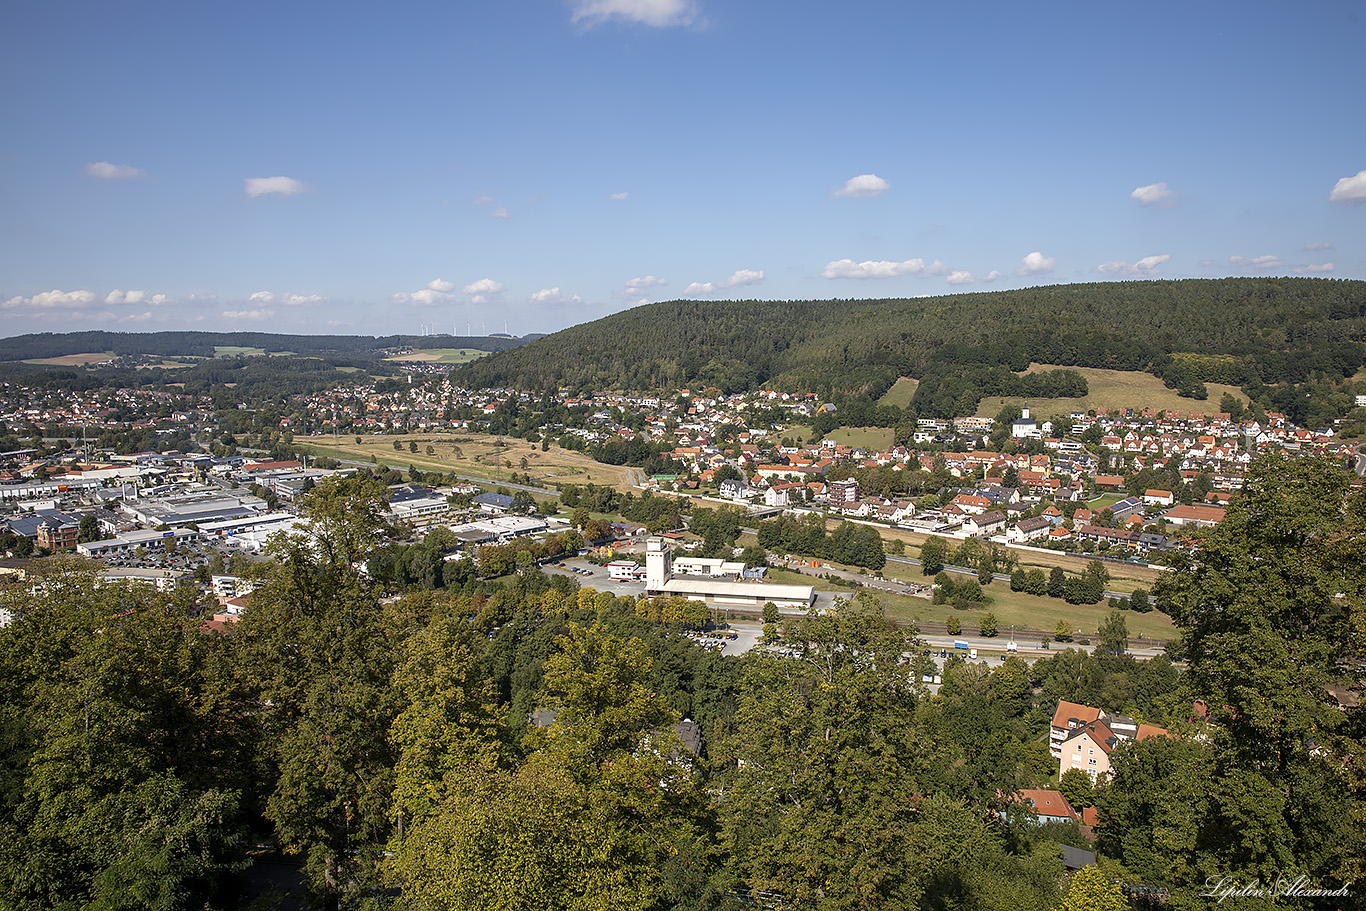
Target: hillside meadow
pixel 1112 389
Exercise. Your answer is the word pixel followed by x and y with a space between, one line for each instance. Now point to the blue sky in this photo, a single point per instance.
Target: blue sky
pixel 377 169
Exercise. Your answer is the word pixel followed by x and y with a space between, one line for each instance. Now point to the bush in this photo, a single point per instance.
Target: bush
pixel 987 627
pixel 955 626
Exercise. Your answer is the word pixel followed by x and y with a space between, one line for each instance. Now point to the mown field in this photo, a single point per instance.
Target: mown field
pixel 901 392
pixel 74 360
pixel 1012 609
pixel 477 455
pixel 873 439
pixel 1112 389
pixel 439 356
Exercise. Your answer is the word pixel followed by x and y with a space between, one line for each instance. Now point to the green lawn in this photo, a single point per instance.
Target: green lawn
pixel 901 392
pixel 1015 609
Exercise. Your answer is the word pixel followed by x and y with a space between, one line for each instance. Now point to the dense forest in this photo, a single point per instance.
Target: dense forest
pixel 514 747
pixel 1238 330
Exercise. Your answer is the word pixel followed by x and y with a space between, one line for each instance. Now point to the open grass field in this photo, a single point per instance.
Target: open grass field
pixel 1012 609
pixel 901 392
pixel 1112 389
pixel 476 455
pixel 870 438
pixel 439 356
pixel 74 360
pixel 1124 577
pixel 235 350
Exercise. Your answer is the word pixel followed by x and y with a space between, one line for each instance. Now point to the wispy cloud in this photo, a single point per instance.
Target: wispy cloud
pixel 657 13
pixel 1155 194
pixel 1143 268
pixel 1316 270
pixel 1318 246
pixel 1266 261
pixel 847 268
pixel 862 186
pixel 106 170
pixel 1350 190
pixel 253 315
pixel 1036 264
pixel 964 277
pixel 637 285
pixel 278 186
pixel 618 196
pixel 736 280
pixel 553 296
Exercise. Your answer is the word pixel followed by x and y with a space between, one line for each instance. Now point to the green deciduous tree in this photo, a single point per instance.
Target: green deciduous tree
pixel 1089 890
pixel 1114 634
pixel 319 655
pixel 1270 608
pixel 932 554
pixel 118 774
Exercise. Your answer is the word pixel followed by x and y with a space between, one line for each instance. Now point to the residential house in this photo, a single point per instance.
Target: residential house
pixel 1067 717
pixel 1048 806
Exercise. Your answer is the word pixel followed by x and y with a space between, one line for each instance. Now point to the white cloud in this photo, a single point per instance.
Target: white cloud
pixel 659 13
pixel 648 281
pixel 1036 264
pixel 440 284
pixel 1322 267
pixel 1143 268
pixel 109 171
pixel 736 280
pixel 136 317
pixel 283 186
pixel 847 268
pixel 1154 194
pixel 51 300
pixel 483 286
pixel 964 277
pixel 299 300
pixel 1350 189
pixel 124 297
pixel 262 297
pixel 862 186
pixel 427 297
pixel 500 212
pixel 483 199
pixel 1320 245
pixel 258 314
pixel 1266 261
pixel 618 196
pixel 553 296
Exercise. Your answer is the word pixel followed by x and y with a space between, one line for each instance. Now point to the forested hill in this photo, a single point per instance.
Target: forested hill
pixel 1234 330
pixel 43 345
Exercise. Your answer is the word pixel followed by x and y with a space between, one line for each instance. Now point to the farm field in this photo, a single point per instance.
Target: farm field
pixel 901 392
pixel 439 356
pixel 1112 389
pixel 477 455
pixel 74 360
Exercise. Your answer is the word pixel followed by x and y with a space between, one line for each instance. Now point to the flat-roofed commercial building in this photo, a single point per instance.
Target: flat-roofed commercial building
pixel 660 580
